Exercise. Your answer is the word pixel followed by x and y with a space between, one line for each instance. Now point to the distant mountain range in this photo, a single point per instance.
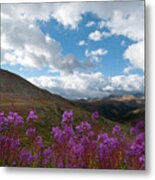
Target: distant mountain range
pixel 20 95
pixel 117 108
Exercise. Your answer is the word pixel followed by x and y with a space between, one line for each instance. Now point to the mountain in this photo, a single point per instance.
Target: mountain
pixel 16 86
pixel 117 108
pixel 19 95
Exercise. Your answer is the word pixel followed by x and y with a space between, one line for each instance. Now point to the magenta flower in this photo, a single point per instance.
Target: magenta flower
pixel 10 119
pixel 18 121
pixel 91 134
pixel 116 130
pixel 39 141
pixel 32 116
pixel 67 117
pixel 102 136
pixel 140 125
pixel 95 115
pixel 83 127
pixel 3 120
pixel 31 132
pixel 81 146
pixel 138 147
pixel 57 134
pixel 134 131
pixel 47 154
pixel 26 157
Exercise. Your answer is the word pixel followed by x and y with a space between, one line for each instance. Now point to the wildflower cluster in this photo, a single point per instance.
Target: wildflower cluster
pixel 70 146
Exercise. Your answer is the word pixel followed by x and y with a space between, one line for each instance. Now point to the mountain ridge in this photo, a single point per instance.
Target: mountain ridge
pixel 16 93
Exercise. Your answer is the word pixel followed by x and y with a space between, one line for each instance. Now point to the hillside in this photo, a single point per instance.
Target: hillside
pixel 19 95
pixel 120 109
pixel 15 85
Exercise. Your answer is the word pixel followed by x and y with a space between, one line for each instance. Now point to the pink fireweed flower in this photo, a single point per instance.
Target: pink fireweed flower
pixel 91 134
pixel 57 134
pixel 134 131
pixel 3 120
pixel 116 130
pixel 47 154
pixel 68 131
pixel 95 115
pixel 1 114
pixel 138 145
pixel 18 121
pixel 10 119
pixel 67 117
pixel 39 141
pixel 83 127
pixel 102 136
pixel 32 116
pixel 140 125
pixel 31 132
pixel 142 161
pixel 26 157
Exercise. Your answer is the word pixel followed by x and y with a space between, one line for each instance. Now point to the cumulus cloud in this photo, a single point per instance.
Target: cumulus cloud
pixel 130 83
pixel 89 85
pixel 127 69
pixel 135 55
pixel 23 43
pixel 90 24
pixel 95 54
pixel 82 43
pixel 123 18
pixel 115 15
pixel 102 24
pixel 20 31
pixel 69 14
pixel 128 25
pixel 97 35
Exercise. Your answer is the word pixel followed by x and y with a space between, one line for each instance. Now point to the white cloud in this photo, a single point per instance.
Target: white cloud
pixel 128 69
pixel 97 35
pixel 106 34
pixel 96 54
pixel 119 16
pixel 48 39
pixel 135 55
pixel 93 85
pixel 131 25
pixel 102 24
pixel 82 43
pixel 123 18
pixel 68 14
pixel 131 83
pixel 23 43
pixel 90 24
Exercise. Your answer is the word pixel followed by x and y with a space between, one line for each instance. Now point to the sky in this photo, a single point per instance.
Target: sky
pixel 77 50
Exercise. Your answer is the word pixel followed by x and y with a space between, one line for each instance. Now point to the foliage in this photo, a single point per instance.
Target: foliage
pixel 71 145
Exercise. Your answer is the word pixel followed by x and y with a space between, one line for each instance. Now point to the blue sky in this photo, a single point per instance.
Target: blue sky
pixel 77 50
pixel 111 64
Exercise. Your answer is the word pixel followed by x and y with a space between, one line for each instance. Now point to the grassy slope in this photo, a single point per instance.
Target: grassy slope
pixel 16 94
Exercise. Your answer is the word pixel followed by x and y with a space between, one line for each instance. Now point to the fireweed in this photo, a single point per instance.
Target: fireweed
pixel 70 146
